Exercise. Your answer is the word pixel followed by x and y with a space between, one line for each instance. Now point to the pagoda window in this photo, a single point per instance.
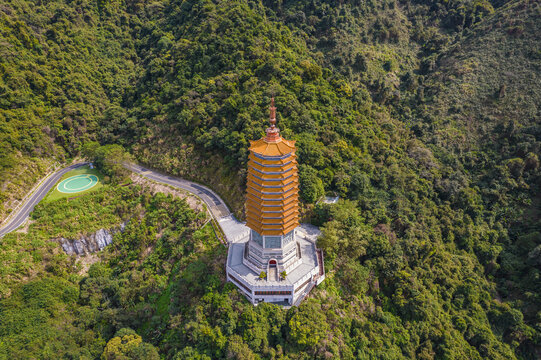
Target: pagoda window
pixel 273 172
pixel 273 292
pixel 276 192
pixel 273 205
pixel 272 165
pixel 262 157
pixel 272 186
pixel 260 178
pixel 273 193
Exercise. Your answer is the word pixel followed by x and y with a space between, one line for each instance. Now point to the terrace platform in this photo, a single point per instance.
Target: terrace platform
pixel 291 290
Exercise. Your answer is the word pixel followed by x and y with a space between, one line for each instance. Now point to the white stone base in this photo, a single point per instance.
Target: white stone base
pixel 289 291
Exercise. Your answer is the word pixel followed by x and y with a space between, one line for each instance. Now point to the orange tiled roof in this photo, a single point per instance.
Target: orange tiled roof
pixel 278 148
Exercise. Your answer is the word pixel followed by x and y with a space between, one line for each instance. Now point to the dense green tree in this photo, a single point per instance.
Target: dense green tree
pixel 110 160
pixel 311 186
pixel 128 345
pixel 308 327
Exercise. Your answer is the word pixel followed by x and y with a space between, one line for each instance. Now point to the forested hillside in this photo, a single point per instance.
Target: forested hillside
pixel 63 65
pixel 422 115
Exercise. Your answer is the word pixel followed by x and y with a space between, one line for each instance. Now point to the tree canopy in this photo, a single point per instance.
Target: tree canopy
pixel 423 116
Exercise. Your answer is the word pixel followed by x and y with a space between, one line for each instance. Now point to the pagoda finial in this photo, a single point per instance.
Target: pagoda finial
pixel 273 133
pixel 272 112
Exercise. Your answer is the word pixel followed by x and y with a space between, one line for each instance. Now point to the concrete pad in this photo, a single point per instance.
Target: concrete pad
pixel 234 230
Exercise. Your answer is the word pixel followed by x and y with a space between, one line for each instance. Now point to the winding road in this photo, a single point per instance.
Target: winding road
pixel 215 204
pixel 20 215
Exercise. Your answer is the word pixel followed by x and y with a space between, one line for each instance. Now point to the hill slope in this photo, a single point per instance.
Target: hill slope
pixel 427 251
pixel 61 67
pixel 489 81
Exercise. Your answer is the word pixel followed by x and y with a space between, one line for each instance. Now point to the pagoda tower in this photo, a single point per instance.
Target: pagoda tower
pixel 276 261
pixel 272 198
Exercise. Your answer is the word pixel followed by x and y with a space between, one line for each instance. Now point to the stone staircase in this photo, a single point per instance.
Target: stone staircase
pixel 305 292
pixel 273 274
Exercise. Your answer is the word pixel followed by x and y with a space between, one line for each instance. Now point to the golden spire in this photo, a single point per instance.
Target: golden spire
pixel 273 133
pixel 272 113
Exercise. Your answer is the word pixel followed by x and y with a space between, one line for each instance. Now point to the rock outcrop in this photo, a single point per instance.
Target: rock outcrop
pixel 90 243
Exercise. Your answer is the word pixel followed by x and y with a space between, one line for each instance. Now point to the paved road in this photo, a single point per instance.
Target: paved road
pixel 215 204
pixel 22 214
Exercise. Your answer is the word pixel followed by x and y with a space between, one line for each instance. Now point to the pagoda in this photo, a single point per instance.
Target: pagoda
pixel 277 261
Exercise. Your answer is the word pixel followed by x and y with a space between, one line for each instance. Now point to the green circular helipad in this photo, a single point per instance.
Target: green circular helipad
pixel 77 183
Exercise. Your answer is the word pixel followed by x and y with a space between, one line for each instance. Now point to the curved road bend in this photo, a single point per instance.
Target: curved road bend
pixel 22 214
pixel 215 204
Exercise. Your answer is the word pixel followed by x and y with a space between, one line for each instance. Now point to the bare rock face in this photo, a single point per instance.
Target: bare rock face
pixel 90 243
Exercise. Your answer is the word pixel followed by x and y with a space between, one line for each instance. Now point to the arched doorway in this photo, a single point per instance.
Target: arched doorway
pixel 272 263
